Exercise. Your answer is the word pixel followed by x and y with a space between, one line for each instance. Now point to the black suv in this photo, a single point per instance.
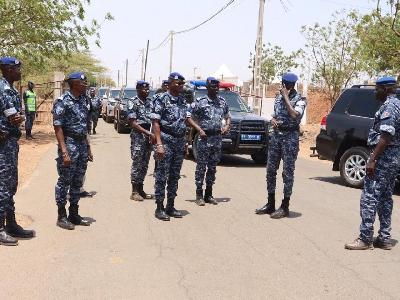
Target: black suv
pixel 248 133
pixel 344 133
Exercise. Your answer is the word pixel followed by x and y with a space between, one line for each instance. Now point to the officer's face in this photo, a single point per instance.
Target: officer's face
pixel 12 73
pixel 213 88
pixel 143 92
pixel 288 85
pixel 380 93
pixel 92 94
pixel 79 86
pixel 176 86
pixel 165 86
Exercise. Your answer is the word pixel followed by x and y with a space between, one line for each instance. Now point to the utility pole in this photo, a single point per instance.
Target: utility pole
pixel 171 51
pixel 126 73
pixel 258 57
pixel 118 79
pixel 142 71
pixel 145 63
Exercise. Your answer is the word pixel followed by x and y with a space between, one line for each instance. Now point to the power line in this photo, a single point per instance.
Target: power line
pixel 207 20
pixel 164 42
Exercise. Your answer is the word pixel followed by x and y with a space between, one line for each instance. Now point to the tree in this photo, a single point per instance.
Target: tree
pixel 392 19
pixel 37 30
pixel 333 52
pixel 275 62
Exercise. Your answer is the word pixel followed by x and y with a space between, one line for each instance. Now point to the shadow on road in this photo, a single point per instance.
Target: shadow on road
pixel 334 180
pixel 184 212
pixel 294 215
pixel 238 161
pixel 89 219
pixel 40 138
pixel 219 200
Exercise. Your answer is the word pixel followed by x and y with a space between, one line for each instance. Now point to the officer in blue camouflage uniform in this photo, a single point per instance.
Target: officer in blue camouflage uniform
pixel 382 168
pixel 70 115
pixel 169 124
pixel 11 118
pixel 206 116
pixel 95 102
pixel 289 108
pixel 139 109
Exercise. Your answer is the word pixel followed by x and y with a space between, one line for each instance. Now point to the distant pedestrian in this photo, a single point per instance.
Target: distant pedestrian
pixel 382 168
pixel 139 109
pixel 11 118
pixel 70 117
pixel 289 108
pixel 169 125
pixel 207 115
pixel 30 109
pixel 163 88
pixel 95 109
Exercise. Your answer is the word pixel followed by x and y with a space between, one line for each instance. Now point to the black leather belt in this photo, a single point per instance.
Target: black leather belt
pixel 288 129
pixel 145 126
pixel 212 132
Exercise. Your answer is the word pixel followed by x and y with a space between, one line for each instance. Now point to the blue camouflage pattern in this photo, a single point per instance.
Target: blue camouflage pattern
pixel 376 197
pixel 208 114
pixel 281 113
pixel 96 107
pixel 8 174
pixel 72 115
pixel 140 143
pixel 171 112
pixel 386 119
pixel 10 103
pixel 30 119
pixel 282 146
pixel 71 178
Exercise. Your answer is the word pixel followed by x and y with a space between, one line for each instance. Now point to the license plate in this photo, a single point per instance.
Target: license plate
pixel 250 137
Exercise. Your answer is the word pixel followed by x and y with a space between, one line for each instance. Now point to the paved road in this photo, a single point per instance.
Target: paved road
pixel 214 252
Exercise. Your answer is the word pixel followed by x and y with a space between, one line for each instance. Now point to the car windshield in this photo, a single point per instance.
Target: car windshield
pixel 129 93
pixel 102 92
pixel 235 102
pixel 114 93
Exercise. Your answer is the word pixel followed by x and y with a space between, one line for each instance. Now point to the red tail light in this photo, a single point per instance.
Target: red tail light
pixel 323 123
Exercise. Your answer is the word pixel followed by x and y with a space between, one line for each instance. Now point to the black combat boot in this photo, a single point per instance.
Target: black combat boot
pixel 143 194
pixel 74 216
pixel 160 212
pixel 5 239
pixel 208 196
pixel 16 230
pixel 135 196
pixel 62 220
pixel 283 211
pixel 94 131
pixel 171 211
pixel 268 208
pixel 199 197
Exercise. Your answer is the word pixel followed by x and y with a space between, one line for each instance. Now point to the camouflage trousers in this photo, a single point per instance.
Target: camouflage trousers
pixel 8 174
pixel 377 196
pixel 169 169
pixel 140 154
pixel 208 157
pixel 71 178
pixel 285 146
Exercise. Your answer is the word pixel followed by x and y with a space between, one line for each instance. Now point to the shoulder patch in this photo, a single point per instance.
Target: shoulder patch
pixel 385 115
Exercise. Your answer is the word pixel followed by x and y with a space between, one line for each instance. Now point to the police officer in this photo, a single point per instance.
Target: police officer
pixel 382 168
pixel 206 116
pixel 11 118
pixel 70 114
pixel 30 109
pixel 95 103
pixel 139 109
pixel 284 144
pixel 163 88
pixel 169 124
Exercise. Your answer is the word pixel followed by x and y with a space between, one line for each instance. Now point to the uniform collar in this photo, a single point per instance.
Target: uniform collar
pixel 72 96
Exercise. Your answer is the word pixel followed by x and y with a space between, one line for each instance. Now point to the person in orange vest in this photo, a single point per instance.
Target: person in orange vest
pixel 30 109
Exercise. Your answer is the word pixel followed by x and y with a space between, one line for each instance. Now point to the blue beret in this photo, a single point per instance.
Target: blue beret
pixel 176 76
pixel 386 80
pixel 290 77
pixel 76 75
pixel 142 83
pixel 165 81
pixel 212 80
pixel 11 61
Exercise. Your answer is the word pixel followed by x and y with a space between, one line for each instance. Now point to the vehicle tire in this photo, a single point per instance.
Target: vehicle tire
pixel 115 124
pixel 260 158
pixel 353 165
pixel 103 116
pixel 108 119
pixel 194 146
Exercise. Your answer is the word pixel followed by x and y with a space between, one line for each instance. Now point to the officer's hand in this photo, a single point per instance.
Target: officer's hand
pixel 160 152
pixel 225 129
pixel 202 134
pixel 3 136
pixel 187 154
pixel 90 155
pixel 284 92
pixel 66 159
pixel 36 115
pixel 371 165
pixel 152 138
pixel 17 119
pixel 274 123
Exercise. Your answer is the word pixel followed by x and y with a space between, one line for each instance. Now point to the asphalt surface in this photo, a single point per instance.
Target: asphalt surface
pixel 214 252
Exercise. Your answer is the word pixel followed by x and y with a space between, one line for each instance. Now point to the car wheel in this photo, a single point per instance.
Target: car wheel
pixel 260 158
pixel 353 164
pixel 194 146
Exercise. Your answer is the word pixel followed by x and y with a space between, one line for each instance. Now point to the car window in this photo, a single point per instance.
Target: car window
pixel 130 93
pixel 102 92
pixel 233 100
pixel 363 104
pixel 114 93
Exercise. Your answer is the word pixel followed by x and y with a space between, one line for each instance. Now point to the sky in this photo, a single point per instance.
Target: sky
pixel 227 39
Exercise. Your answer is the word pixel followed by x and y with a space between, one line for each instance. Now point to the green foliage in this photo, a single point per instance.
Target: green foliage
pixel 37 30
pixel 333 53
pixel 275 62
